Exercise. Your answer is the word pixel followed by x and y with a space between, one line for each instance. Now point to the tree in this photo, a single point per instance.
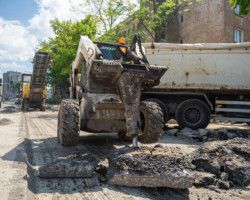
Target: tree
pixel 108 12
pixel 244 6
pixel 63 47
pixel 156 15
pixel 15 87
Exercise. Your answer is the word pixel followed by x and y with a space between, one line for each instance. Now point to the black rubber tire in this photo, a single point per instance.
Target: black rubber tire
pixel 197 109
pixel 151 122
pixel 122 135
pixel 42 107
pixel 26 106
pixel 68 123
pixel 164 108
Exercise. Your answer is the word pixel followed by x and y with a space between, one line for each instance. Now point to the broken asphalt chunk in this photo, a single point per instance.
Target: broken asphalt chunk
pixel 73 166
pixel 150 167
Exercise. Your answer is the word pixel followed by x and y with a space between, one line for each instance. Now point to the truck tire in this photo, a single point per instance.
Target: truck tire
pixel 68 123
pixel 42 107
pixel 193 113
pixel 164 108
pixel 152 122
pixel 26 106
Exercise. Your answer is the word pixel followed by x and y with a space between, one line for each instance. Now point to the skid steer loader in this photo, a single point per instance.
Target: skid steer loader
pixel 106 84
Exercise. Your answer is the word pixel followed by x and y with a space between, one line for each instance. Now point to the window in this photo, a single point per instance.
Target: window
pixel 238 35
pixel 237 10
pixel 181 42
pixel 181 19
pixel 111 52
pixel 26 78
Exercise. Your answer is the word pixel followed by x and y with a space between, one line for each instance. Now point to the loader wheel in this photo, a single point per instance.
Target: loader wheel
pixel 42 107
pixel 152 122
pixel 68 123
pixel 163 107
pixel 193 113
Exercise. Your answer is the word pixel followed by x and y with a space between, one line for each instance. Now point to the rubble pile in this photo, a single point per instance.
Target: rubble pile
pixel 150 167
pixel 224 163
pixel 205 135
pixel 72 166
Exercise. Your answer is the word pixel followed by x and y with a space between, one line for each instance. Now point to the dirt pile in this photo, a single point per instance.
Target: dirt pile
pixel 72 166
pixel 228 161
pixel 150 167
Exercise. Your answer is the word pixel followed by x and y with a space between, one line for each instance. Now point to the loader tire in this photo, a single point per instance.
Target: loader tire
pixel 152 122
pixel 163 107
pixel 68 123
pixel 193 113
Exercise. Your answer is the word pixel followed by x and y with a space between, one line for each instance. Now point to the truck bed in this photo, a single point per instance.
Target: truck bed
pixel 40 66
pixel 220 67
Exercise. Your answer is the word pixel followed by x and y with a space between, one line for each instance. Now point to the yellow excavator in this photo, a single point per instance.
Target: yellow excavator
pixel 33 89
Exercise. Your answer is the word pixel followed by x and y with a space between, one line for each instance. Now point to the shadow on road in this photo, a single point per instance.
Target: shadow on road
pixel 38 152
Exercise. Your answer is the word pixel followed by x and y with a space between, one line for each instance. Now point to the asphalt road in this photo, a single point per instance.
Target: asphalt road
pixel 28 141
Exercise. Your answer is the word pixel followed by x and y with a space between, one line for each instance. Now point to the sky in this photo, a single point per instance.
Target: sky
pixel 25 23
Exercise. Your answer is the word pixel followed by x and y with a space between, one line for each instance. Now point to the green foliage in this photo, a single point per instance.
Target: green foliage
pixel 15 87
pixel 155 17
pixel 64 45
pixel 52 101
pixel 244 6
pixel 108 12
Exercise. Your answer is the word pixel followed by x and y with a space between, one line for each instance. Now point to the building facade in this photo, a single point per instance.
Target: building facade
pixel 9 78
pixel 210 21
pixel 213 21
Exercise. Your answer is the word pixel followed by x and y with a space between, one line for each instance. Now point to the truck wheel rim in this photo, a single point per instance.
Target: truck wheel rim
pixel 192 115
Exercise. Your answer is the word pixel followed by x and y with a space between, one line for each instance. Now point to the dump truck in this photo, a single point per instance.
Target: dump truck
pixel 106 82
pixel 202 80
pixel 33 88
pixel 1 83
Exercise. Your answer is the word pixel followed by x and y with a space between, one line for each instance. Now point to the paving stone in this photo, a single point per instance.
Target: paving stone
pixel 202 132
pixel 172 132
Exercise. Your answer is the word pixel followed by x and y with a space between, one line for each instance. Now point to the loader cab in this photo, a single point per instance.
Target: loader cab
pixel 26 78
pixel 112 51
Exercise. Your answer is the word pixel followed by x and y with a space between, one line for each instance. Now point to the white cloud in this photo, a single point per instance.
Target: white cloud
pixel 18 42
pixel 12 66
